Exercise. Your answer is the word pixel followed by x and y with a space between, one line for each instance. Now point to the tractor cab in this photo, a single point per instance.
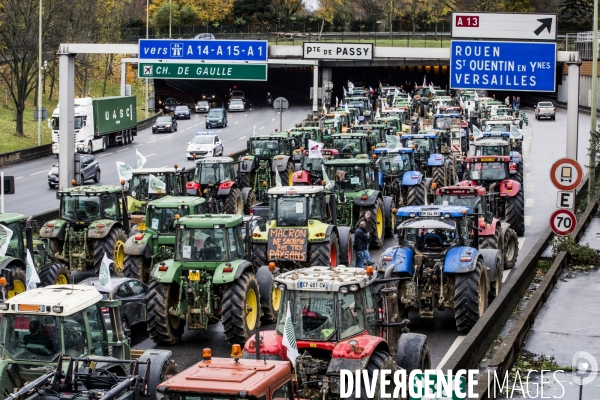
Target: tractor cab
pixel 444 121
pixel 162 213
pixel 394 163
pixel 390 122
pixel 311 172
pixel 343 120
pixel 267 146
pixel 473 197
pixel 360 102
pixel 433 228
pixel 352 113
pixel 350 175
pixel 486 170
pixel 212 172
pixel 295 206
pixel 350 145
pixel 376 133
pixel 147 184
pixel 425 145
pixel 82 205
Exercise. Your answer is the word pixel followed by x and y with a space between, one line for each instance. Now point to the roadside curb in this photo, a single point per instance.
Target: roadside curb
pixel 18 156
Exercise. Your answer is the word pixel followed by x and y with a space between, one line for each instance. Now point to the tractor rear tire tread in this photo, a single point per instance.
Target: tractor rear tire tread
pixel 234 199
pixel 380 360
pixel 234 312
pixel 250 202
pixel 466 297
pixel 133 266
pixel 159 327
pixel 510 239
pixel 106 245
pixel 259 255
pixel 416 195
pixel 516 213
pixel 50 272
pixel 319 254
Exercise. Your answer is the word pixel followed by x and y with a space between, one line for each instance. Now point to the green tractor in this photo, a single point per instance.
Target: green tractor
pixel 357 191
pixel 376 134
pixel 351 145
pixel 154 240
pixel 92 221
pixel 140 190
pixel 307 216
pixel 267 155
pixel 207 281
pixel 12 265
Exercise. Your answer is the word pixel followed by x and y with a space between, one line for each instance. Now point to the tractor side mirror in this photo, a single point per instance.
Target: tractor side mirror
pixel 488 217
pixel 262 225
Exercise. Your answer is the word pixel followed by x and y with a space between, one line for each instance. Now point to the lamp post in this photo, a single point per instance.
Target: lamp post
pixel 39 105
pixel 146 98
pixel 170 18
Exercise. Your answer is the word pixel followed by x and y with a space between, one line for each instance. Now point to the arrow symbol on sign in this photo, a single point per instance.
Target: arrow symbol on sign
pixel 546 24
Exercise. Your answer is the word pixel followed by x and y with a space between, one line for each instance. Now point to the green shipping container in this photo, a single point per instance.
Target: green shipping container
pixel 114 114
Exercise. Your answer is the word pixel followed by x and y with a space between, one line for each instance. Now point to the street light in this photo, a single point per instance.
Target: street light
pixel 146 98
pixel 170 18
pixel 39 113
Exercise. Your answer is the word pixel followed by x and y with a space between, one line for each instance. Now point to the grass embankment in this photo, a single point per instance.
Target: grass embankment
pixel 10 141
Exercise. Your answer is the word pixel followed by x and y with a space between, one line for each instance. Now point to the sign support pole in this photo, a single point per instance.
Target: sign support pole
pixel 280 115
pixel 594 108
pixel 573 106
pixel 2 192
pixel 316 87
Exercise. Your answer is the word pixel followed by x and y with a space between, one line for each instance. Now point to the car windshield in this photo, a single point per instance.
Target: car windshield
pixel 495 150
pixel 214 173
pixel 163 120
pixel 394 164
pixel 349 145
pixel 32 337
pixel 293 211
pixel 162 220
pixel 208 244
pixel 317 316
pixel 170 101
pixel 545 104
pixel 497 128
pixel 89 208
pixel 269 147
pixel 348 178
pixel 203 139
pixel 237 101
pixel 182 108
pixel 473 202
pixel 489 171
pixel 215 113
pixel 78 122
pixel 202 103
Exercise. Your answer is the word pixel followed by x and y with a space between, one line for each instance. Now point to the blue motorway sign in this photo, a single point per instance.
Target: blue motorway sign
pixel 515 66
pixel 208 50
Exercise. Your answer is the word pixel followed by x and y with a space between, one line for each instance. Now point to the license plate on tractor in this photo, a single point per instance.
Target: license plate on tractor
pixel 194 275
pixel 313 285
pixel 141 226
pixel 430 213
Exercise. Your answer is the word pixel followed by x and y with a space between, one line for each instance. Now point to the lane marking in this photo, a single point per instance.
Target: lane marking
pixel 457 342
pixel 236 122
pixel 139 145
pixel 529 175
pixel 118 151
pixel 529 202
pixel 528 165
pixel 104 155
pixel 152 141
pixel 19 178
pixel 261 127
pixel 530 188
pixel 245 115
pixel 242 138
pixel 150 155
pixel 41 172
pixel 219 130
pixel 527 220
pixel 273 119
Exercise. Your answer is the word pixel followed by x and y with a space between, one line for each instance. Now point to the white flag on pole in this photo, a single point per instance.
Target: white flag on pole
pixel 31 276
pixel 346 107
pixel 289 337
pixel 336 120
pixel 254 130
pixel 124 170
pixel 5 235
pixel 141 160
pixel 377 115
pixel 105 272
pixel 278 180
pixel 425 80
pixel 314 149
pixel 155 184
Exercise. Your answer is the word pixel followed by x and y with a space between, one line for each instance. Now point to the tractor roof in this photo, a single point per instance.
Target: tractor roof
pixel 296 190
pixel 324 152
pixel 325 278
pixel 461 190
pixel 210 221
pixel 95 190
pixel 447 115
pixel 175 201
pixel 9 218
pixel 276 135
pixel 356 135
pixel 488 159
pixel 433 211
pixel 215 160
pixel 495 134
pixel 402 150
pixel 357 98
pixel 420 136
pixel 370 126
pixel 224 376
pixel 491 142
pixel 72 298
pixel 349 161
pixel 154 171
pixel 388 117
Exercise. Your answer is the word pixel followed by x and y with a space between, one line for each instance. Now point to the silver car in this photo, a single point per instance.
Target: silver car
pixel 236 105
pixel 90 169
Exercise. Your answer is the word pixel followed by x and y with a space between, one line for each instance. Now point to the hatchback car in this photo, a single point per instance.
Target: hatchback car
pixel 90 169
pixel 170 104
pixel 217 117
pixel 166 123
pixel 131 292
pixel 202 106
pixel 236 105
pixel 182 112
pixel 205 36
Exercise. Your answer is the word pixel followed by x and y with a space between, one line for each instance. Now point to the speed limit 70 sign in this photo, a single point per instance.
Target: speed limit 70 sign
pixel 563 222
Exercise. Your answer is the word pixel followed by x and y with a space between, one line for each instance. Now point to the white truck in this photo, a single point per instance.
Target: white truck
pixel 545 109
pixel 99 123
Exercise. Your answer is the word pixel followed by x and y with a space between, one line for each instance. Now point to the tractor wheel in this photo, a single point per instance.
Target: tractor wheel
pixel 250 202
pixel 245 180
pixel 516 213
pixel 134 267
pixel 496 285
pixel 287 175
pixel 494 242
pixel 438 176
pixel 113 245
pixel 55 274
pixel 163 328
pixel 325 254
pixel 470 297
pixel 380 360
pixel 346 248
pixel 19 282
pixel 259 255
pixel 518 176
pixel 390 217
pixel 377 222
pixel 241 308
pixel 416 194
pixel 270 297
pixel 413 352
pixel 235 202
pixel 511 248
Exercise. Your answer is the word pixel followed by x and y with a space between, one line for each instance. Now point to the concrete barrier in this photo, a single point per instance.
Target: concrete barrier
pixel 46 149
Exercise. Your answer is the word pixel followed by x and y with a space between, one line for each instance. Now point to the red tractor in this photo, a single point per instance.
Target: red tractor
pixel 342 318
pixel 507 198
pixel 495 235
pixel 311 172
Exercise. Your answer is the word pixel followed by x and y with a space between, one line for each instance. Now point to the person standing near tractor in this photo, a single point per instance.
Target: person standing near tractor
pixel 361 242
pixel 368 225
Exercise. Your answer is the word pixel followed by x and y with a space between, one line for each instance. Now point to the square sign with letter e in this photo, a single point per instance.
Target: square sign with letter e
pixel 565 200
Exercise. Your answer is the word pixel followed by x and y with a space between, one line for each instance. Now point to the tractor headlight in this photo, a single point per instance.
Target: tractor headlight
pixel 353 288
pixel 343 290
pixel 57 309
pixel 4 306
pixel 281 287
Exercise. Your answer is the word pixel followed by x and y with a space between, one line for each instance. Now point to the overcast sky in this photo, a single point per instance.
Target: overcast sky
pixel 310 5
